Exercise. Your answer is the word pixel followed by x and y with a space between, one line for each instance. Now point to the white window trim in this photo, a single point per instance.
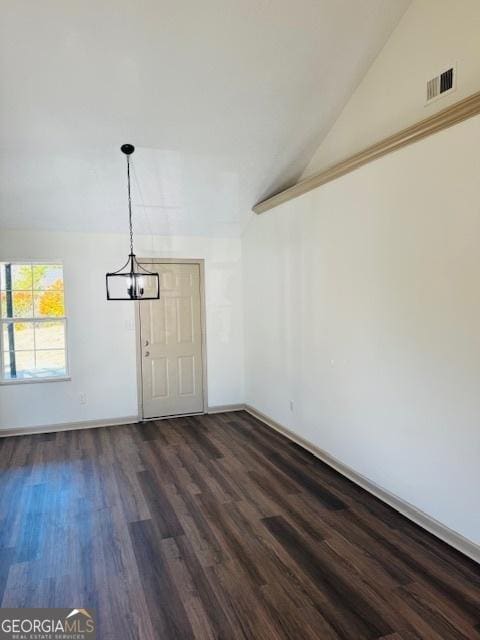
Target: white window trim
pixel 67 376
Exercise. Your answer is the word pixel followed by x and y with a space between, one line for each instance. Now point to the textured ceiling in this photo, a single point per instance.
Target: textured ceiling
pixel 225 100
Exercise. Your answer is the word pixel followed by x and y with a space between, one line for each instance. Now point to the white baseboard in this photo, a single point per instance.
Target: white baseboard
pixel 109 422
pixel 67 426
pixel 454 539
pixel 225 408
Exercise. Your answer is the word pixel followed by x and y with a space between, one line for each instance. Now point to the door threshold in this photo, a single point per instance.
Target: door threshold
pixel 174 415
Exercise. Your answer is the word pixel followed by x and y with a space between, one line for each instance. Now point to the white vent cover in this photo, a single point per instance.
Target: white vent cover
pixel 441 84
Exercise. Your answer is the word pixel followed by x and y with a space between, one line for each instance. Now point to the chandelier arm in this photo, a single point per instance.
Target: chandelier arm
pixel 121 268
pixel 146 271
pixel 142 268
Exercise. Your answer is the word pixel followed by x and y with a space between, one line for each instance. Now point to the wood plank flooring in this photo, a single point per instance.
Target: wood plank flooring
pixel 218 527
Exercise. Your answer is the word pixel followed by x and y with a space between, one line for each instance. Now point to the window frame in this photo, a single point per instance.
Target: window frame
pixel 64 319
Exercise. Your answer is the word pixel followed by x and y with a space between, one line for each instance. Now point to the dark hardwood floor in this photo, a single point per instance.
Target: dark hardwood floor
pixel 218 527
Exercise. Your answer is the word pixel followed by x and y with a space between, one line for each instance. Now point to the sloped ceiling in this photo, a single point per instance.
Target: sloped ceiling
pixel 225 100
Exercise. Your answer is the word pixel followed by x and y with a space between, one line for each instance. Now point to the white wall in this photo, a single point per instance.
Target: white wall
pixel 432 35
pixel 362 305
pixel 101 333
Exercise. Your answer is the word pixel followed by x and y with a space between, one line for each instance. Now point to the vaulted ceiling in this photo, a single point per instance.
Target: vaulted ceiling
pixel 225 100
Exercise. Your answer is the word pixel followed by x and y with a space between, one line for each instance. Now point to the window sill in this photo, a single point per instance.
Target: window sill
pixel 34 380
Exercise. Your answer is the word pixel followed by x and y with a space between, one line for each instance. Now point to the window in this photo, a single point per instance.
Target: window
pixel 32 322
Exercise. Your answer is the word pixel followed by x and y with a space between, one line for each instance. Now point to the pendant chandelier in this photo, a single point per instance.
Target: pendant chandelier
pixel 132 281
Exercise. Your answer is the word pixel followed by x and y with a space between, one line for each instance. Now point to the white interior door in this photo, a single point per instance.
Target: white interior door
pixel 171 343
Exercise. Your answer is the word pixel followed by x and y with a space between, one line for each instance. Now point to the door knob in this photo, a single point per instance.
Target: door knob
pixel 147 353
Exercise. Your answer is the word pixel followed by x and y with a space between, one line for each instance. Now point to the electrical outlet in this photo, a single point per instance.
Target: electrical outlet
pixel 82 397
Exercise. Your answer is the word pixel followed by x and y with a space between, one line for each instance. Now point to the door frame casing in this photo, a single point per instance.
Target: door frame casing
pixel 203 328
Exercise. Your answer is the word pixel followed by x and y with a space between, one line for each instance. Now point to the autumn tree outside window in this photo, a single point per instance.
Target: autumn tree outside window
pixel 32 322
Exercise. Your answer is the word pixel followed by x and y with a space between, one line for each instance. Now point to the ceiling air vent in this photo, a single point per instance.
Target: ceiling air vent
pixel 441 84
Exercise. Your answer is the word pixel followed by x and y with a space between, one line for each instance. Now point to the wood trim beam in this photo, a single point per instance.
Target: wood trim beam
pixel 458 112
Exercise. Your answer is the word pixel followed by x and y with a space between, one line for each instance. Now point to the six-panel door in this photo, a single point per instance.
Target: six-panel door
pixel 171 342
